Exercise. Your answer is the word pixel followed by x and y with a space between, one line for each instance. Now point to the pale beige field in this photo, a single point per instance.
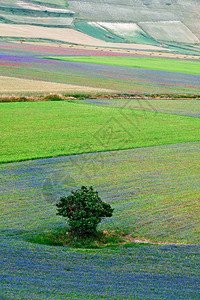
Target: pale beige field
pixel 64 35
pixel 17 85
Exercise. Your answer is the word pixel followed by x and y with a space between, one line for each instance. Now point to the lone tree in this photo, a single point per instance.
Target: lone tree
pixel 84 210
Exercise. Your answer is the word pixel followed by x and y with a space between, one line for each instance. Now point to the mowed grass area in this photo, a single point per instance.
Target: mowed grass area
pixel 47 129
pixel 151 63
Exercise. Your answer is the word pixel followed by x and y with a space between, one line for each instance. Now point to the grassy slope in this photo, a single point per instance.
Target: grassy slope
pixel 153 63
pixel 154 191
pixel 34 130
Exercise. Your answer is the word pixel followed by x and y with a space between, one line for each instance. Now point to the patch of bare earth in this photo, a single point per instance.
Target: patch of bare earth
pixel 127 239
pixel 131 239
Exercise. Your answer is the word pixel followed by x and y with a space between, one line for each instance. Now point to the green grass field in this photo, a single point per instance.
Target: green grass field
pixel 47 129
pixel 151 63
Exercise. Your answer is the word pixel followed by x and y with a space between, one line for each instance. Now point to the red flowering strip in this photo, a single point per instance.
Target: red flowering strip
pixel 10 64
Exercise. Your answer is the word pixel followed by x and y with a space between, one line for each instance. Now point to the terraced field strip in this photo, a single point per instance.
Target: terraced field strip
pixel 42 21
pixel 139 50
pixel 64 35
pixel 104 51
pixel 36 5
pixel 176 66
pixel 97 31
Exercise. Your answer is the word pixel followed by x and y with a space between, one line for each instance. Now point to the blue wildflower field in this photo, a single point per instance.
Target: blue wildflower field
pixel 30 271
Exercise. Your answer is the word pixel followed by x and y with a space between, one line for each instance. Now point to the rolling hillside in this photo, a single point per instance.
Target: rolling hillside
pixel 184 14
pixel 136 21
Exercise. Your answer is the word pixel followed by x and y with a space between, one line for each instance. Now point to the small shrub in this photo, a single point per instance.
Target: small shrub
pixel 53 97
pixel 84 210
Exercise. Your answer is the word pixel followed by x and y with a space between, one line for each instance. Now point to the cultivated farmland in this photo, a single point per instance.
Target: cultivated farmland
pixel 62 35
pixel 95 274
pixel 140 11
pixel 130 31
pixel 12 85
pixel 45 21
pixel 122 117
pixel 27 61
pixel 154 198
pixel 143 63
pixel 31 123
pixel 172 31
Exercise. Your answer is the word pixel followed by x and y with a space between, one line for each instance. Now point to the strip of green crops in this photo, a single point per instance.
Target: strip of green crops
pixel 151 63
pixel 47 129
